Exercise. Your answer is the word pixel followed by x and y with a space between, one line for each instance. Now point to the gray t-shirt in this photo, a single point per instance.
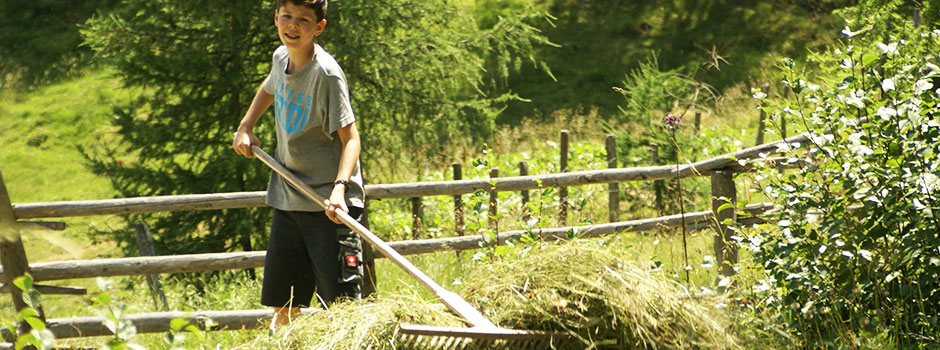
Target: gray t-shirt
pixel 310 105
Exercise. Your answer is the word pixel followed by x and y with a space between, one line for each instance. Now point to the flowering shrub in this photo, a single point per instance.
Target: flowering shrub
pixel 856 243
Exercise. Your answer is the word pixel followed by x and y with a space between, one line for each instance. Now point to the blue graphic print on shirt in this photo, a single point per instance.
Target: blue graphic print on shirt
pixel 291 107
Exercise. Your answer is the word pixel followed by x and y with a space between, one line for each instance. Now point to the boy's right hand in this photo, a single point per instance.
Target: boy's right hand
pixel 243 141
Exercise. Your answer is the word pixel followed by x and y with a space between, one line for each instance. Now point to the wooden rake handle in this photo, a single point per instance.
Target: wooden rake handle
pixel 453 301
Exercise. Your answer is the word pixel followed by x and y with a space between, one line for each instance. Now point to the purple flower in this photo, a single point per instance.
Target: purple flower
pixel 672 122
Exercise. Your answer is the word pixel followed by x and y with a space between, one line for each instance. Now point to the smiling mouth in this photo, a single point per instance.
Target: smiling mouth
pixel 290 36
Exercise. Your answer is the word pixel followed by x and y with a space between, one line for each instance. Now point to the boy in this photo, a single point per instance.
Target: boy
pixel 317 140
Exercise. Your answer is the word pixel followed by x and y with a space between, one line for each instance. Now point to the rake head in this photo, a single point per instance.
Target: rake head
pixel 431 337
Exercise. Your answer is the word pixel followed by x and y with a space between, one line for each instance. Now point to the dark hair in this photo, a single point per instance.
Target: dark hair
pixel 318 6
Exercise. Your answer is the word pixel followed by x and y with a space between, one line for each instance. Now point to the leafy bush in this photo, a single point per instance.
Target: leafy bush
pixel 856 246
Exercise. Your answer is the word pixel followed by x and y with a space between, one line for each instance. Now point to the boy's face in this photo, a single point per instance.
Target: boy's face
pixel 297 26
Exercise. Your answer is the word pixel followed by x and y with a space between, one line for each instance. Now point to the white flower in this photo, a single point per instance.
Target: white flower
pixel 891 276
pixel 889 49
pixel 922 85
pixel 532 222
pixel 848 32
pixel 846 63
pixel 886 113
pixel 887 84
pixel 708 262
pixel 930 183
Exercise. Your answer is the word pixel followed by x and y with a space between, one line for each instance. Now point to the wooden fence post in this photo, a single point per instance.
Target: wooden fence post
pixel 658 185
pixel 698 121
pixel 367 288
pixel 916 16
pixel 145 244
pixel 783 127
pixel 526 213
pixel 563 191
pixel 12 254
pixel 760 127
pixel 493 219
pixel 724 191
pixel 613 188
pixel 458 203
pixel 417 214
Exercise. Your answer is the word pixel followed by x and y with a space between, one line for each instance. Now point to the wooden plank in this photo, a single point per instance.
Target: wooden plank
pixel 140 205
pixel 69 269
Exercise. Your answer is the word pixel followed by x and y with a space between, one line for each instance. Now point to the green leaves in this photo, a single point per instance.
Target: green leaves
pixel 854 227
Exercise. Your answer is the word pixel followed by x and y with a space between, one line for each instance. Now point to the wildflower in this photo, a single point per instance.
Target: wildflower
pixel 672 122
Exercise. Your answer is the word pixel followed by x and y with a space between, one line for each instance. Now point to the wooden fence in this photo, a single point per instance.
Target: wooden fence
pixel 721 170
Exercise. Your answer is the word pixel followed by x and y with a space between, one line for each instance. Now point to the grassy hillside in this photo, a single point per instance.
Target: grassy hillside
pixel 42 133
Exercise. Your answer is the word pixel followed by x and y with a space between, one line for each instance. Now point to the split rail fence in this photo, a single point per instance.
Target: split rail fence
pixel 13 258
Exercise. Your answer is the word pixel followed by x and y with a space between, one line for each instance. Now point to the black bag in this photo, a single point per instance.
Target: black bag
pixel 350 256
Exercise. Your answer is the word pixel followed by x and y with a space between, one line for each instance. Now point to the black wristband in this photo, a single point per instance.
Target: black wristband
pixel 342 182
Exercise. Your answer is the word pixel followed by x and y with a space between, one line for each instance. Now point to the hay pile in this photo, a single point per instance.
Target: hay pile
pixel 580 287
pixel 366 324
pixel 584 288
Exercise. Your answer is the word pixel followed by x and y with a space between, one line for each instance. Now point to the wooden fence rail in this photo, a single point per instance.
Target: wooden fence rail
pixel 157 322
pixel 383 191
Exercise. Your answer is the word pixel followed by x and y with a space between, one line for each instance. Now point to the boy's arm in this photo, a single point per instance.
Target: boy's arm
pixel 244 137
pixel 349 136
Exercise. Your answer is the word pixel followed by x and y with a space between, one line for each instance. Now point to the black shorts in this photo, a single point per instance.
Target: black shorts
pixel 303 258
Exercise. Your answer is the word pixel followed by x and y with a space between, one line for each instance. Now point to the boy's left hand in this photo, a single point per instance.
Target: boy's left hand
pixel 337 201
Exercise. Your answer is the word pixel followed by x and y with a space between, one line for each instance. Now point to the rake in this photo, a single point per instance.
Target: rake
pixel 482 333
